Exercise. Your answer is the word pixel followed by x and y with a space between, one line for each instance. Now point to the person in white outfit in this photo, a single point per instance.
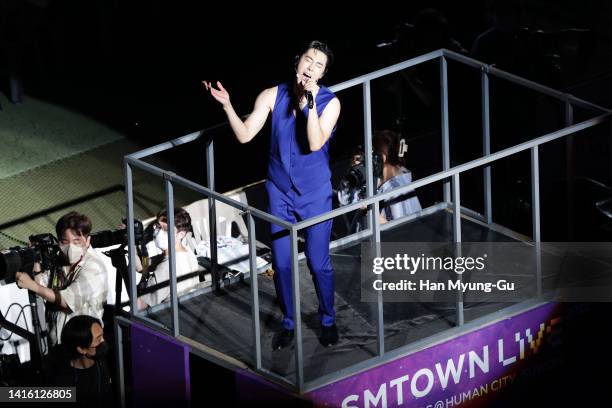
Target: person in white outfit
pixel 82 285
pixel 186 261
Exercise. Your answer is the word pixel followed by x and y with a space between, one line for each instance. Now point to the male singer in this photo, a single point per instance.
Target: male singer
pixel 304 116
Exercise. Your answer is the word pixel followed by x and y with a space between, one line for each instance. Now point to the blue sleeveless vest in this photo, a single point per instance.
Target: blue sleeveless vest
pixel 292 163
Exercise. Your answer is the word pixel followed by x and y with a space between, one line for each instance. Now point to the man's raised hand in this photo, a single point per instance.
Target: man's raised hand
pixel 221 94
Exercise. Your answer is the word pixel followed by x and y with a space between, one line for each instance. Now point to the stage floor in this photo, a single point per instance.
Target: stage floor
pixel 222 320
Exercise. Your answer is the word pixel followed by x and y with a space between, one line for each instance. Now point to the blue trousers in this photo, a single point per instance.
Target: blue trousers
pixel 293 207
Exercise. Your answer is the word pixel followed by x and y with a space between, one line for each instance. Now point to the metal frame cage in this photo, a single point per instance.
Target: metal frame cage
pixel 449 176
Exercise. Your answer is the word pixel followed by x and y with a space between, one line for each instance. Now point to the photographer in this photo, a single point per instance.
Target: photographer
pixel 81 285
pixel 186 261
pixel 390 150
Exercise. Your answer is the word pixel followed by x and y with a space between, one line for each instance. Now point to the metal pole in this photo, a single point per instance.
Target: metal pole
pixel 457 241
pixel 380 322
pixel 535 214
pixel 570 168
pixel 444 119
pixel 254 290
pixel 129 192
pixel 538 260
pixel 297 314
pixel 120 371
pixel 486 134
pixel 367 141
pixel 373 222
pixel 535 193
pixel 212 212
pixel 171 253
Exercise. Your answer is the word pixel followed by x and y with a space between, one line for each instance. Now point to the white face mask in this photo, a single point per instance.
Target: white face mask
pixel 161 240
pixel 74 253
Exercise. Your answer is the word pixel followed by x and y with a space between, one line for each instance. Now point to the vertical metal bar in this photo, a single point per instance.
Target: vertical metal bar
pixel 297 314
pixel 457 241
pixel 535 214
pixel 380 322
pixel 609 124
pixel 254 290
pixel 120 370
pixel 535 193
pixel 171 253
pixel 129 193
pixel 373 222
pixel 570 168
pixel 445 125
pixel 367 142
pixel 456 209
pixel 538 260
pixel 486 146
pixel 212 212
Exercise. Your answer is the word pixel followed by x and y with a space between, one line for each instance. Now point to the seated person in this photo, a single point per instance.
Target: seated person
pixel 186 261
pixel 392 174
pixel 80 287
pixel 83 364
pixel 388 144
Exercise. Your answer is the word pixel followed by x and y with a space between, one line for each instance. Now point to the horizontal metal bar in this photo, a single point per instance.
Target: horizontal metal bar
pixel 146 166
pixel 455 170
pixel 207 192
pixel 277 379
pixel 386 71
pixel 212 355
pixel 358 236
pixel 152 324
pixel 586 104
pixel 473 214
pixel 166 145
pixel 521 81
pixel 424 212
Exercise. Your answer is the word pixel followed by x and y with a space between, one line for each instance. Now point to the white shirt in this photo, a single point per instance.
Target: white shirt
pixel 186 262
pixel 86 295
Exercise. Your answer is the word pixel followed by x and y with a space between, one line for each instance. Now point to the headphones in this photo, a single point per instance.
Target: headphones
pixel 403 148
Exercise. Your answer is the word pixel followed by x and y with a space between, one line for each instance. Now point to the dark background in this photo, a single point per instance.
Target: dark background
pixel 137 66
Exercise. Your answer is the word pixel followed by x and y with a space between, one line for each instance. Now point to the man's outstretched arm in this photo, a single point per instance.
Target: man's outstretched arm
pixel 244 131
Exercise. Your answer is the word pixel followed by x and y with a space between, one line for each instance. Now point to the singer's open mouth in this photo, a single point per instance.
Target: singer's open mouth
pixel 306 75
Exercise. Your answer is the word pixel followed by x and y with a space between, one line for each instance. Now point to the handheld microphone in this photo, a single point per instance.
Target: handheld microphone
pixel 310 100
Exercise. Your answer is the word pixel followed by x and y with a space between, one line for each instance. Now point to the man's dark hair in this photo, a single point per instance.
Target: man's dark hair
pixel 79 223
pixel 77 333
pixel 388 142
pixel 182 219
pixel 319 46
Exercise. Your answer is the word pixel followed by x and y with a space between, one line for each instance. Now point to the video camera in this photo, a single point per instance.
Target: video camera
pixel 44 249
pixel 355 178
pixel 103 239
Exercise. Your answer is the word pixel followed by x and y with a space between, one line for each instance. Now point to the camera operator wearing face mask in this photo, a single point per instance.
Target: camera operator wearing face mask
pixel 186 261
pixel 81 286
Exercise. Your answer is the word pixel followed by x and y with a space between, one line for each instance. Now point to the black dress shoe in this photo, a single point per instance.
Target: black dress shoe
pixel 282 339
pixel 329 335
